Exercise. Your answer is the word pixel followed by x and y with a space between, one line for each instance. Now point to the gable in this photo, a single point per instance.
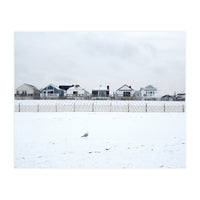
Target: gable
pixel 125 88
pixel 52 87
pixel 25 87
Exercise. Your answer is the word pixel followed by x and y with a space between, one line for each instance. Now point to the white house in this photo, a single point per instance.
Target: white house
pixel 124 92
pixel 100 92
pixel 51 92
pixel 77 92
pixel 27 91
pixel 147 93
pixel 65 88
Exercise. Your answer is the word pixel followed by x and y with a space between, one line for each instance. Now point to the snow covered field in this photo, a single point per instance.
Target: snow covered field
pixel 116 140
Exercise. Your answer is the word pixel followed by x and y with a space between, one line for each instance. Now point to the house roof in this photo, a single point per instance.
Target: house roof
pixel 167 95
pixel 150 87
pixel 65 87
pixel 29 85
pixel 76 88
pixel 100 88
pixel 125 86
pixel 53 86
pixel 181 94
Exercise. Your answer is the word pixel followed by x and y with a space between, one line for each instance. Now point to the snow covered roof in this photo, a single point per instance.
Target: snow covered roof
pixel 125 87
pixel 100 88
pixel 76 88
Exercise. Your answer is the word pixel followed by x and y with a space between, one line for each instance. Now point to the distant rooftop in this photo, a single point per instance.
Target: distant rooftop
pixel 150 87
pixel 29 86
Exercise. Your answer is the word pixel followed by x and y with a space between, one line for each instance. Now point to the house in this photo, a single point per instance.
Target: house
pixel 125 92
pixel 65 88
pixel 27 91
pixel 147 93
pixel 101 92
pixel 167 98
pixel 179 97
pixel 77 92
pixel 52 92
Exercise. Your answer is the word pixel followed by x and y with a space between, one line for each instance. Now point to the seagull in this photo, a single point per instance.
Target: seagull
pixel 85 135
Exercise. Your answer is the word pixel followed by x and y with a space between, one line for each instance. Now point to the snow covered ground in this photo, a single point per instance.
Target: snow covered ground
pixel 116 140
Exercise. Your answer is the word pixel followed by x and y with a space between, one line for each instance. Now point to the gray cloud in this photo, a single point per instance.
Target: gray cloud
pixel 93 58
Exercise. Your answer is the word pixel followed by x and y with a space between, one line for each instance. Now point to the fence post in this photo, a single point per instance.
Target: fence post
pixel 128 108
pixel 56 108
pixel 183 109
pixel 146 107
pixel 19 107
pixel 92 107
pixel 164 107
pixel 74 107
pixel 110 107
pixel 38 108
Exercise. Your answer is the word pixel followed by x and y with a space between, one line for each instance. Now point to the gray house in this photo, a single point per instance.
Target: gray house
pixel 147 93
pixel 27 91
pixel 51 92
pixel 101 93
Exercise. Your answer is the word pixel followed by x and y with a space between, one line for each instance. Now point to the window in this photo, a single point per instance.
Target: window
pixel 127 94
pixel 24 93
pixel 75 93
pixel 95 93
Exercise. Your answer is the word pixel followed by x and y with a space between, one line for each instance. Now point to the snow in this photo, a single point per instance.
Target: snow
pixel 100 87
pixel 115 140
pixel 99 106
pixel 54 102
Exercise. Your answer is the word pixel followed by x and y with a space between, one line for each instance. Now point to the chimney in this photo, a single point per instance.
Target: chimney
pixel 107 87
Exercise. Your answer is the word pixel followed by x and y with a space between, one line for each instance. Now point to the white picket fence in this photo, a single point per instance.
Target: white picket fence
pixel 97 106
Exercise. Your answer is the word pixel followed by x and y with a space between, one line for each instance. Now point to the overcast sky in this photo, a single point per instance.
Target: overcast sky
pixel 107 58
